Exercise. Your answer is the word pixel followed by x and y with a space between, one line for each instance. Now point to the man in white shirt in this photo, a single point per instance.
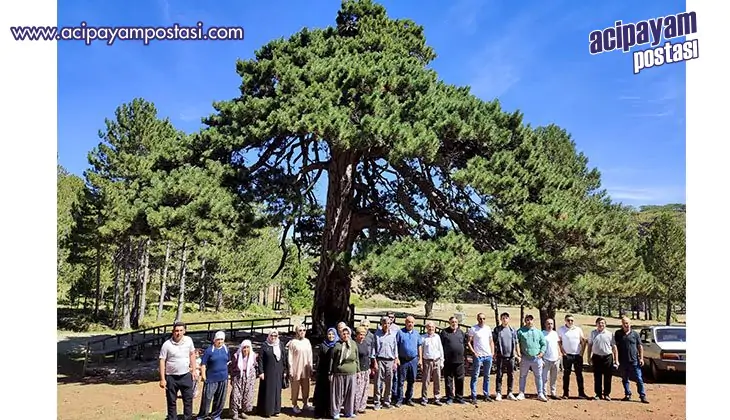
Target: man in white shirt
pixel 481 344
pixel 602 354
pixel 433 361
pixel 177 371
pixel 551 358
pixel 572 343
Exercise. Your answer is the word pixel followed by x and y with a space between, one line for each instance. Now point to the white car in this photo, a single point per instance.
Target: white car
pixel 665 349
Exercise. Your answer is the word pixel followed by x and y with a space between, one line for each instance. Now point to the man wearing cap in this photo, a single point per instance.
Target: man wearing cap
pixel 214 370
pixel 177 371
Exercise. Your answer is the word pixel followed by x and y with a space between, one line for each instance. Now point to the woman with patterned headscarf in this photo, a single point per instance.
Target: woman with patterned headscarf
pixel 343 369
pixel 243 378
pixel 273 369
pixel 368 365
pixel 322 400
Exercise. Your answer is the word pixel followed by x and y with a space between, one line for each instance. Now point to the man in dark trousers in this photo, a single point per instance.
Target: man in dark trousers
pixel 177 371
pixel 505 346
pixel 630 359
pixel 453 340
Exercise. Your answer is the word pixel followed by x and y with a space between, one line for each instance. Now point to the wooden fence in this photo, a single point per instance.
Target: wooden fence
pixel 133 342
pixel 374 319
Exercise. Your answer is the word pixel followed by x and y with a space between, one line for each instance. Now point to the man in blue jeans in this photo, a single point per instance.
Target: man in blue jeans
pixel 630 359
pixel 481 344
pixel 410 357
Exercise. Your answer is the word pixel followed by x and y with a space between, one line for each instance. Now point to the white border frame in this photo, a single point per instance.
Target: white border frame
pixel 707 222
pixel 28 152
pixel 28 79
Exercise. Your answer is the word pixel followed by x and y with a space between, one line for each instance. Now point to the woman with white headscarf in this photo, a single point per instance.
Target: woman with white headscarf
pixel 214 372
pixel 343 369
pixel 273 368
pixel 243 378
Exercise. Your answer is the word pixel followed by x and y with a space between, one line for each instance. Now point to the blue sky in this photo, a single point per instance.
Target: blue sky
pixel 531 55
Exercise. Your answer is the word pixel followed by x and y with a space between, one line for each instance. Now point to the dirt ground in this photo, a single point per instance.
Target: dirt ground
pixel 82 401
pixel 145 400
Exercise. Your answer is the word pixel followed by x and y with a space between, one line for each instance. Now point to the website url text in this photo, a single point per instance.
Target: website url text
pixel 111 34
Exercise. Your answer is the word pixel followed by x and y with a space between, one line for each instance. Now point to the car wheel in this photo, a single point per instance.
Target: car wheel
pixel 655 372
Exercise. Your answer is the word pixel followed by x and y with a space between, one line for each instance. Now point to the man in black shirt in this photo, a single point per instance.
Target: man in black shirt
pixel 630 359
pixel 453 340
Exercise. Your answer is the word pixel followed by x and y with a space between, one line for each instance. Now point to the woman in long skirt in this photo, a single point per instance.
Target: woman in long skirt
pixel 367 365
pixel 344 367
pixel 272 368
pixel 243 378
pixel 322 400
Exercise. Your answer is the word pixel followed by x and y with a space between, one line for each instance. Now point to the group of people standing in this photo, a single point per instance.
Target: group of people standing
pixel 390 358
pixel 275 366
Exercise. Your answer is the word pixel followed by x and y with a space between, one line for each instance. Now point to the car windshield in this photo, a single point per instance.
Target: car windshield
pixel 671 334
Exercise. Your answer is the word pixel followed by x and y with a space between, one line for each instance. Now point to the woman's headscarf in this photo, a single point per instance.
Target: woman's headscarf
pixel 332 343
pixel 251 356
pixel 273 341
pixel 346 347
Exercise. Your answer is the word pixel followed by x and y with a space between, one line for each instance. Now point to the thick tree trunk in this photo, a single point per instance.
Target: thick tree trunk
pixel 332 291
pixel 181 293
pixel 97 298
pixel 668 318
pixel 547 311
pixel 145 281
pixel 163 282
pixel 203 287
pixel 428 307
pixel 658 307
